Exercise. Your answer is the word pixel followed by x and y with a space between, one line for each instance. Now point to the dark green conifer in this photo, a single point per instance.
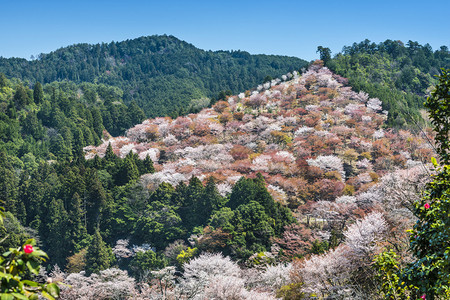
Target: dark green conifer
pixel 135 113
pixel 38 93
pixel 21 96
pixel 8 186
pixel 11 110
pixel 128 170
pixel 212 200
pixel 99 256
pixel 109 154
pixel 147 166
pixel 3 80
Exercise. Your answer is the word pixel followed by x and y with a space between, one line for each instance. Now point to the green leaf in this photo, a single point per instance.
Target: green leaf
pixel 53 289
pixel 39 253
pixel 434 161
pixel 30 283
pixel 47 295
pixel 6 297
pixel 19 296
pixel 31 242
pixel 33 266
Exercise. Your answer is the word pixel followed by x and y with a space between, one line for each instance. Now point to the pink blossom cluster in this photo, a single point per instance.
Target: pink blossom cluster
pixel 286 129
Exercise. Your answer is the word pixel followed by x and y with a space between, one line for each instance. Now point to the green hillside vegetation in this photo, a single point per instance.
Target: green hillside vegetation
pixel 56 120
pixel 74 206
pixel 280 177
pixel 397 74
pixel 161 73
pixel 53 194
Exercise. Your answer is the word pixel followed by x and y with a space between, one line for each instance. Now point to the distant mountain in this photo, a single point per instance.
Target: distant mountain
pixel 162 73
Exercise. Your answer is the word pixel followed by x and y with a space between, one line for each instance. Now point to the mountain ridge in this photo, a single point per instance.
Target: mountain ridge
pixel 162 73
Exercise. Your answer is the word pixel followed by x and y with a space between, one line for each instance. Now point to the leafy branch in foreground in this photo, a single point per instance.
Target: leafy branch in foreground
pixel 429 242
pixel 16 266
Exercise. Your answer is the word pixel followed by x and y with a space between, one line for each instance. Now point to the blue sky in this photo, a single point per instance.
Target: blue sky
pixel 287 27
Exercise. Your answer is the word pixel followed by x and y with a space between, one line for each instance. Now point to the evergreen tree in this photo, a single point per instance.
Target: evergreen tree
pixel 96 201
pixel 32 126
pixel 56 232
pixel 3 81
pixel 135 113
pixel 97 121
pixel 11 110
pixel 60 148
pixel 21 96
pixel 38 93
pixel 109 154
pixel 8 186
pixel 242 193
pixel 99 256
pixel 128 170
pixel 76 221
pixel 212 201
pixel 163 194
pixel 325 54
pixel 146 166
pixel 190 212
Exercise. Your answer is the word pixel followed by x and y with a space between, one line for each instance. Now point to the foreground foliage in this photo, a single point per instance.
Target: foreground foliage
pixel 16 267
pixel 430 236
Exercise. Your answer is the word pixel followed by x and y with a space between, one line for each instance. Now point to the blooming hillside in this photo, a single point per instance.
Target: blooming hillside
pixel 311 137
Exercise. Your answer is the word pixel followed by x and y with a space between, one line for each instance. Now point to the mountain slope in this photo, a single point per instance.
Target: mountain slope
pixel 397 74
pixel 163 74
pixel 311 137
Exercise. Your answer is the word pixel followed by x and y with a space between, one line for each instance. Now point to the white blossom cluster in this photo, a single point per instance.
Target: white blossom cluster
pixel 361 96
pixel 284 156
pixel 346 200
pixel 331 273
pixel 374 104
pixel 153 153
pixel 378 134
pixel 152 181
pixel 123 250
pixel 362 236
pixel 366 119
pixel 328 163
pixel 352 108
pixel 212 276
pixel 363 164
pixel 215 152
pixel 108 284
pixel 303 130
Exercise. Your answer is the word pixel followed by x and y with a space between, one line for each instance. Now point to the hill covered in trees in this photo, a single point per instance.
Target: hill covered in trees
pixel 297 186
pixel 398 74
pixel 161 73
pixel 54 121
pixel 222 181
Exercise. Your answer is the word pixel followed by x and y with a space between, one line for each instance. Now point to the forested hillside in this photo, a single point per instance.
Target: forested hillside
pixel 161 73
pixel 295 181
pixel 55 121
pixel 296 187
pixel 399 74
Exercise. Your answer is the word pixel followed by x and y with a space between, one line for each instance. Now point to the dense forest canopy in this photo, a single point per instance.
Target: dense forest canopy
pixel 54 121
pixel 398 74
pixel 161 73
